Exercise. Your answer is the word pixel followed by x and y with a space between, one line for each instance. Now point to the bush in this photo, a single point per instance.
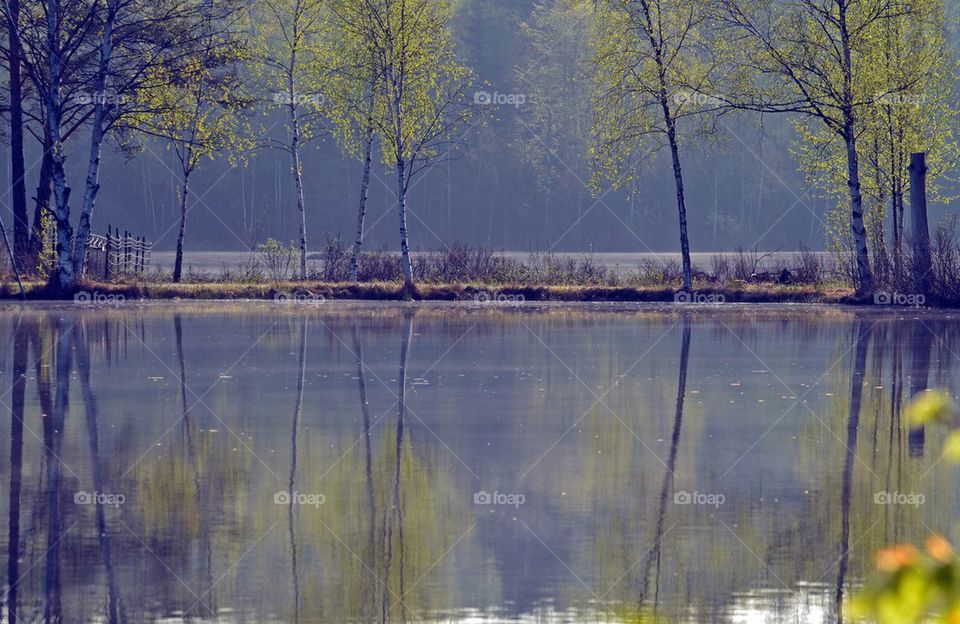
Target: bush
pixel 745 263
pixel 277 259
pixel 809 267
pixel 720 268
pixel 335 260
pixel 945 254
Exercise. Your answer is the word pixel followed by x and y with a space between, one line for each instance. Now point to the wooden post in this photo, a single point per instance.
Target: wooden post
pixel 922 264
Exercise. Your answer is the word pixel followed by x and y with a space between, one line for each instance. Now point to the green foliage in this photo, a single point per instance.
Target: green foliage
pixel 47 256
pixel 905 88
pixel 914 586
pixel 656 72
pixel 930 407
pixel 399 71
pixel 424 84
pixel 205 104
pixel 291 55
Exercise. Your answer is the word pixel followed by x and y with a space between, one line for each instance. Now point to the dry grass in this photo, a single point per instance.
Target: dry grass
pixel 734 292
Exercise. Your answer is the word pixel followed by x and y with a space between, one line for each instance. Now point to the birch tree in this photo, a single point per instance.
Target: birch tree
pixel 204 117
pixel 424 88
pixel 818 59
pixel 895 124
pixel 18 187
pixel 291 49
pixel 91 64
pixel 655 66
pixel 356 91
pixel 54 46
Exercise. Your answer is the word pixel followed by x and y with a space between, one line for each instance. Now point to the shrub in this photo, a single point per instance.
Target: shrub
pixel 277 259
pixel 809 267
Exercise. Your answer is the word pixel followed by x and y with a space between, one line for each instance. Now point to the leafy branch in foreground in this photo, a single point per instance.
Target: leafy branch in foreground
pixel 916 585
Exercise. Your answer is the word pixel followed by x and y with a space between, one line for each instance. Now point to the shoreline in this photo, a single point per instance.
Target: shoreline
pixel 318 292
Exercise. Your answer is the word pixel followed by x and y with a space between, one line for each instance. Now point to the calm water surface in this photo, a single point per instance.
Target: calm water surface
pixel 371 463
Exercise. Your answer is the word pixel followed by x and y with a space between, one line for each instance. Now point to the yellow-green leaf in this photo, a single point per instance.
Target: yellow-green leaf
pixel 929 407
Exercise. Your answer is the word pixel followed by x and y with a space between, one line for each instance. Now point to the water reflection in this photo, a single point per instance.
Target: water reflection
pixel 862 330
pixel 279 463
pixel 654 554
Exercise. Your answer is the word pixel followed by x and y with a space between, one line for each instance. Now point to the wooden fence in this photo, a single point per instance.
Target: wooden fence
pixel 113 254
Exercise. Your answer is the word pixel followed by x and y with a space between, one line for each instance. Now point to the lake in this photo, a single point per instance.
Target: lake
pixel 336 462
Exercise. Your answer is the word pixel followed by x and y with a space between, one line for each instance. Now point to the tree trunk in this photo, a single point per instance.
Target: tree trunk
pixel 42 200
pixel 92 184
pixel 681 200
pixel 864 273
pixel 178 261
pixel 295 157
pixel 18 188
pixel 897 207
pixel 404 245
pixel 63 278
pixel 298 181
pixel 362 210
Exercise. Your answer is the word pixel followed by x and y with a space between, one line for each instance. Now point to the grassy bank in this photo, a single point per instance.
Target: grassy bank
pixel 319 291
pixel 462 273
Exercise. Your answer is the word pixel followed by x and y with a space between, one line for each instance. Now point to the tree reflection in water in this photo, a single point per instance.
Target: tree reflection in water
pixel 199 445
